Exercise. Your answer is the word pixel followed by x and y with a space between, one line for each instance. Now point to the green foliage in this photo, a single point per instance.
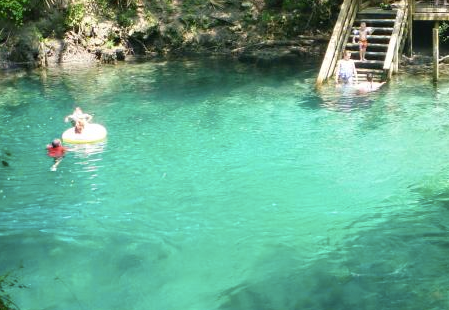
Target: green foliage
pixel 272 4
pixel 109 44
pixel 192 5
pixel 103 8
pixel 196 21
pixel 385 6
pixel 443 31
pixel 294 5
pixel 54 25
pixel 149 17
pixel 124 4
pixel 266 17
pixel 75 15
pixel 274 23
pixel 125 18
pixel 293 16
pixel 13 10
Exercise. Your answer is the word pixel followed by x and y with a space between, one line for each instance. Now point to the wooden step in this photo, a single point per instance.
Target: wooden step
pixel 373 71
pixel 371 22
pixel 375 17
pixel 362 78
pixel 371 46
pixel 369 53
pixel 373 37
pixel 369 64
pixel 378 11
pixel 377 30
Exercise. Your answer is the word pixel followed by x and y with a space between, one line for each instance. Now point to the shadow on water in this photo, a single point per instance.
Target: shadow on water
pixel 395 261
pixel 219 77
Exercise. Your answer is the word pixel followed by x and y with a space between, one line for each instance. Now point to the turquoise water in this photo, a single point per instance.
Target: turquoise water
pixel 225 186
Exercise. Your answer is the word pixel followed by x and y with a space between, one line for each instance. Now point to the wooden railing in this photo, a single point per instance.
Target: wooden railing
pixel 340 35
pixel 397 39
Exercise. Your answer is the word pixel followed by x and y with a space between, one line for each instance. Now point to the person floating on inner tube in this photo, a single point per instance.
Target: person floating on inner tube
pixel 79 126
pixel 78 114
pixel 57 151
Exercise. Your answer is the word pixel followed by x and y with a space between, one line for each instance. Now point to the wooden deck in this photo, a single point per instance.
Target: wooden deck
pixel 431 10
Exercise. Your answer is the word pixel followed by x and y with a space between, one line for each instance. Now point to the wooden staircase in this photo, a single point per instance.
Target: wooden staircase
pixel 382 22
pixel 384 45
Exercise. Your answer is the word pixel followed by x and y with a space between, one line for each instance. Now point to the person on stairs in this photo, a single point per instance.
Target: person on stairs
pixel 362 34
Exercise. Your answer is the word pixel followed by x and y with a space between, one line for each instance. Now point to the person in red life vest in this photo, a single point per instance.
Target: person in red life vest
pixel 57 151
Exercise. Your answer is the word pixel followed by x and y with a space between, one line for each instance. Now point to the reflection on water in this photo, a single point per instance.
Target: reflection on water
pixel 345 98
pixel 229 186
pixel 88 155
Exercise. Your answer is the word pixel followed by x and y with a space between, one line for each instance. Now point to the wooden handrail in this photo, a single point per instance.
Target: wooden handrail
pixel 396 37
pixel 401 42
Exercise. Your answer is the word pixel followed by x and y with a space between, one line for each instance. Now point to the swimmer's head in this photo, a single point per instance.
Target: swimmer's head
pixel 369 77
pixel 56 143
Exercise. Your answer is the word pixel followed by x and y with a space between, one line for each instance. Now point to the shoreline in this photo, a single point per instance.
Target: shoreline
pixel 266 52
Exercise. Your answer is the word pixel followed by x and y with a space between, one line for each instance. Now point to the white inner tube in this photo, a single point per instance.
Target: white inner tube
pixel 92 133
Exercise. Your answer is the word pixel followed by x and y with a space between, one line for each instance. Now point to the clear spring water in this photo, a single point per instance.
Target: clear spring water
pixel 225 186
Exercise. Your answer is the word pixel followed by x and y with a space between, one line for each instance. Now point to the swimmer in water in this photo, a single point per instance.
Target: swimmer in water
pixel 57 151
pixel 369 85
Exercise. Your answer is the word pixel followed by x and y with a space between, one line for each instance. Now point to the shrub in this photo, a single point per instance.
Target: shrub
pixel 125 19
pixel 13 10
pixel 75 15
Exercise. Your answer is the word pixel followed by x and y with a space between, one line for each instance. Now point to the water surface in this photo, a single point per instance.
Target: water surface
pixel 225 185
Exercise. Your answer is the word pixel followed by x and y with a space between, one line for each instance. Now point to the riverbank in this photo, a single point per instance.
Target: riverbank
pixel 88 31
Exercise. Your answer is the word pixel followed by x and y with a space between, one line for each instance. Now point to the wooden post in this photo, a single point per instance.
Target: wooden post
pixel 436 52
pixel 411 7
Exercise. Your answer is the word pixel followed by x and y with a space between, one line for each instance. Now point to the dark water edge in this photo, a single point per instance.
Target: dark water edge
pixel 13 69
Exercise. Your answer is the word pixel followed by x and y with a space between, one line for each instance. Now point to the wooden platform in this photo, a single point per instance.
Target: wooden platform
pixel 425 10
pixel 431 16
